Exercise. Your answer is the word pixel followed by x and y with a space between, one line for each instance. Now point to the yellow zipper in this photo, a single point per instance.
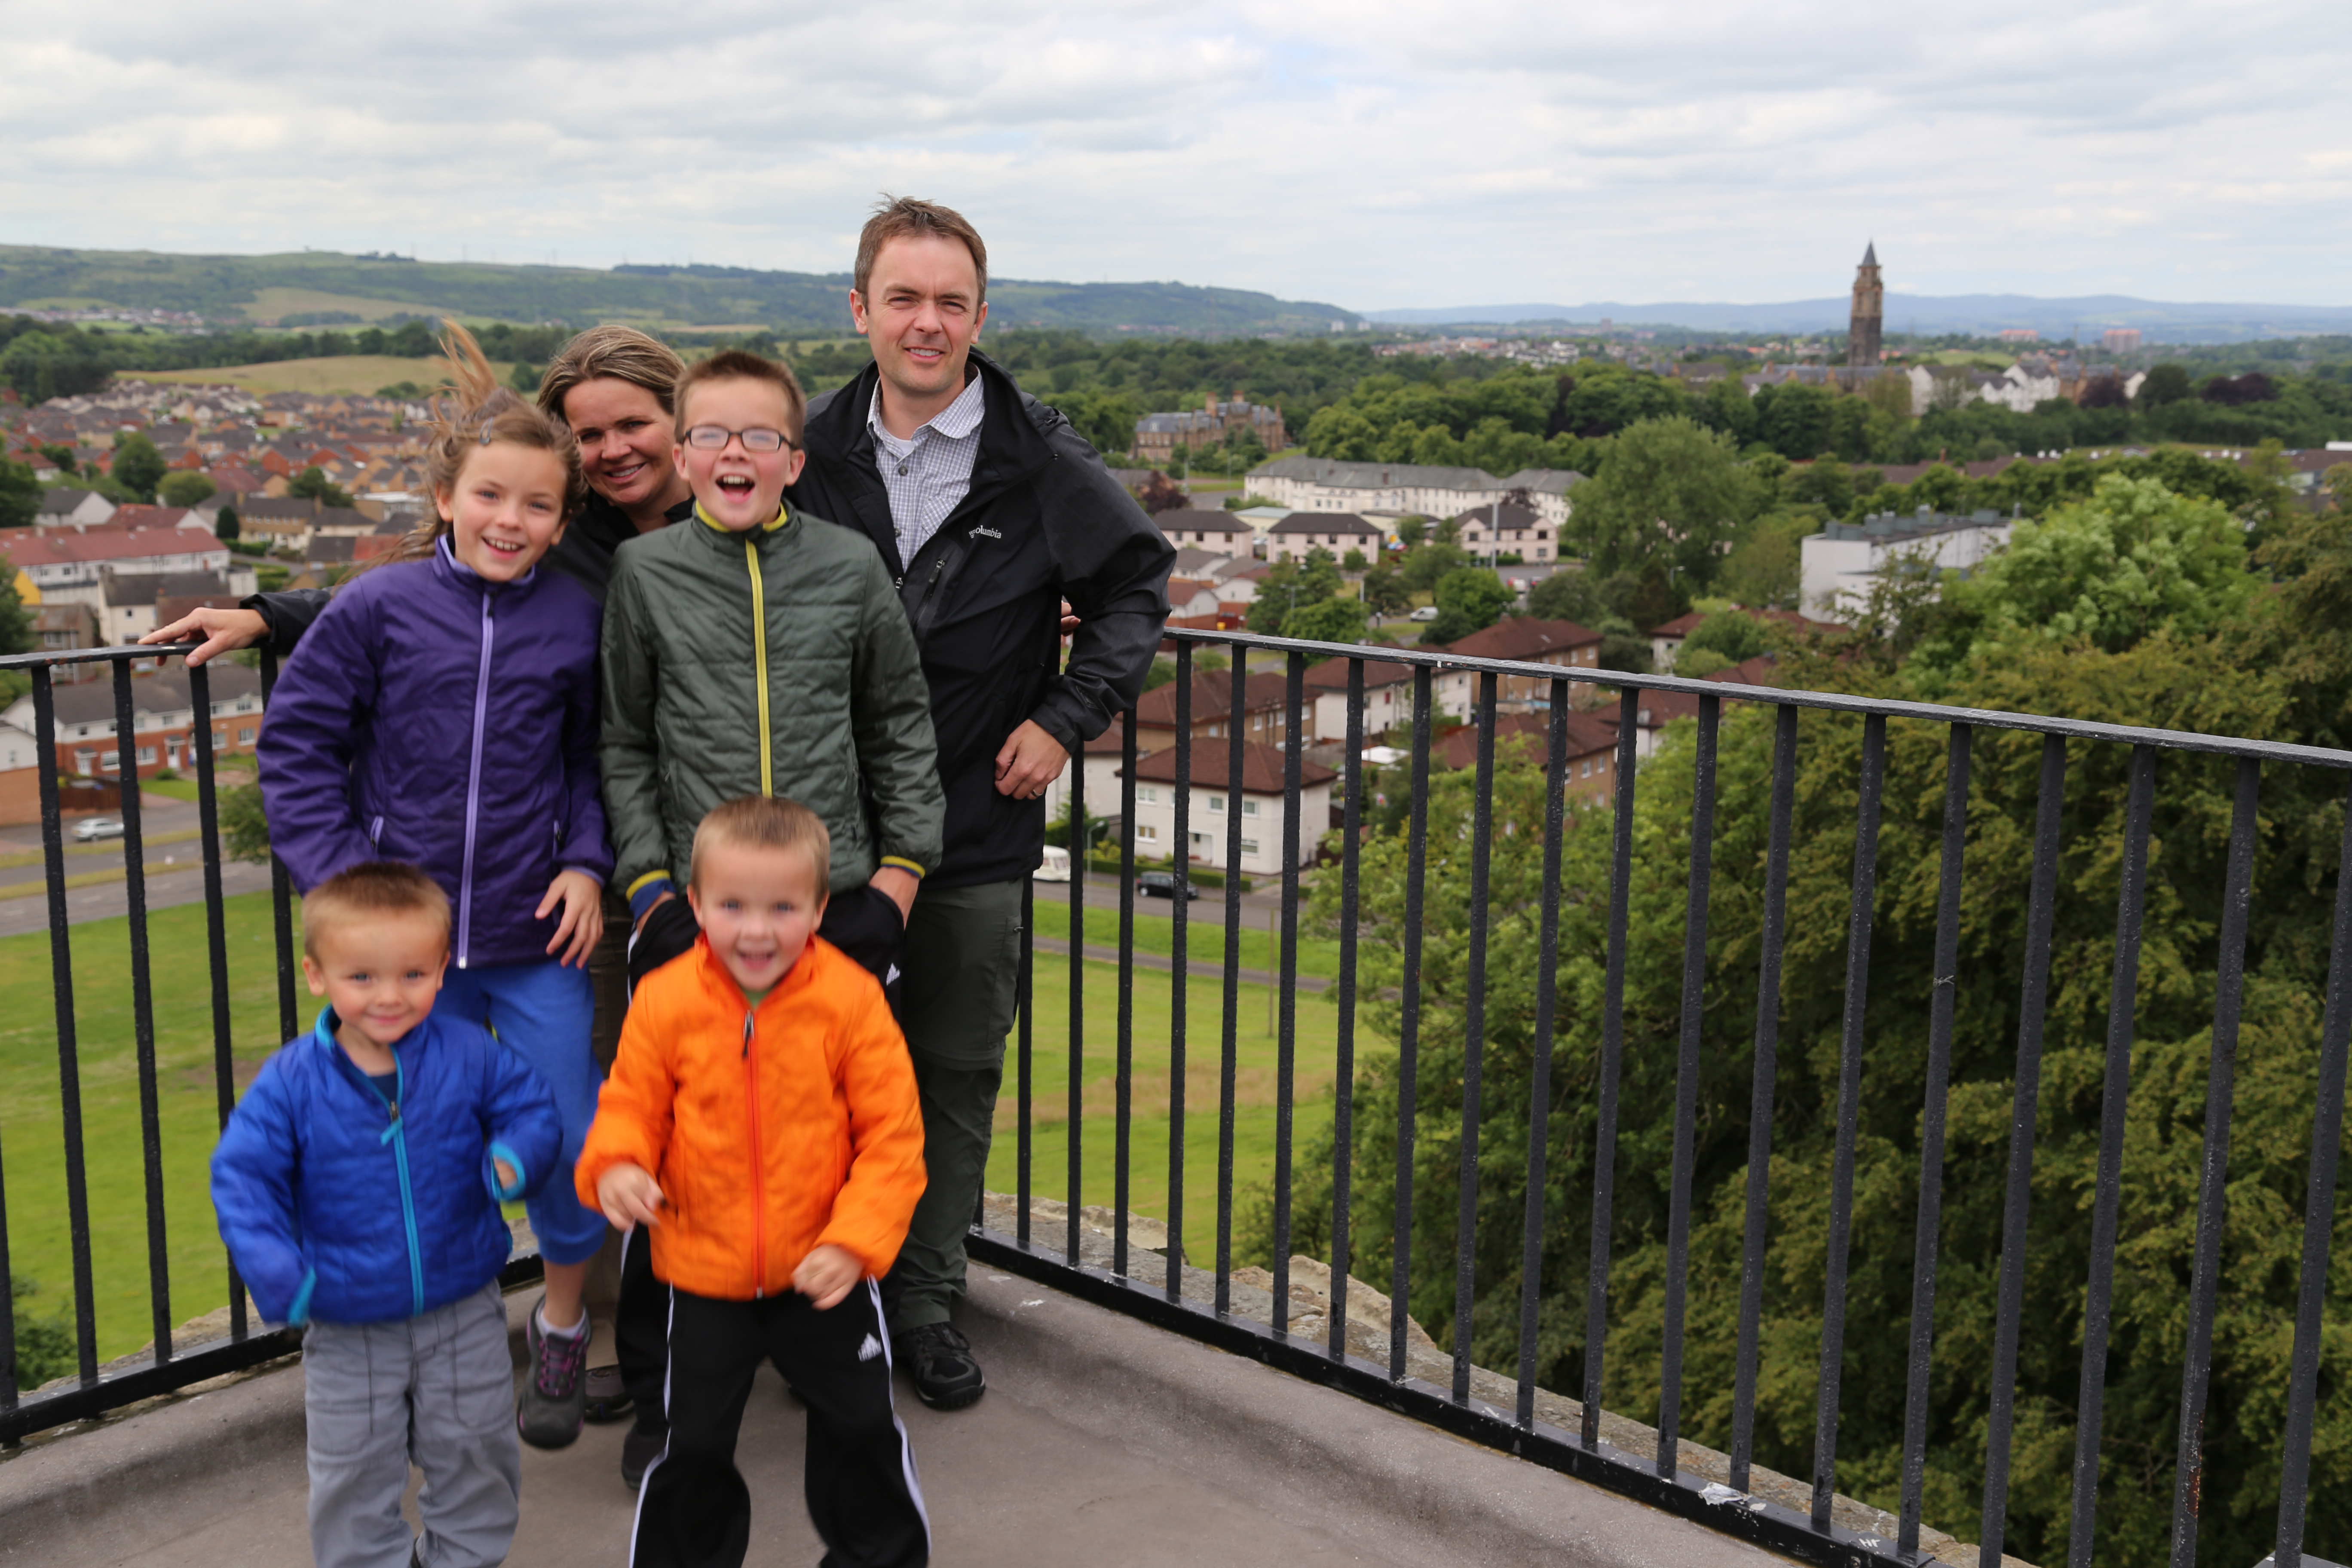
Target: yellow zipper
pixel 760 664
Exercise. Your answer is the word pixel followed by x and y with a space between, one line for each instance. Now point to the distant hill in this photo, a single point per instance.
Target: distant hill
pixel 2160 320
pixel 326 288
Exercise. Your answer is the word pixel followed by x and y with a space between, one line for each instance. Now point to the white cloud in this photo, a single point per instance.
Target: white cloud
pixel 1372 152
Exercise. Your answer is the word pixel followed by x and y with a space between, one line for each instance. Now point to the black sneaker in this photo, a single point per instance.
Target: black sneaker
pixel 639 1449
pixel 555 1394
pixel 946 1375
pixel 607 1401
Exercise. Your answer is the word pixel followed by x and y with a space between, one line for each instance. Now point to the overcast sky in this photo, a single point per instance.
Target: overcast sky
pixel 1374 153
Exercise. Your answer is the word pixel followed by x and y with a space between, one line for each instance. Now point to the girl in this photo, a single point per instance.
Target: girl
pixel 442 711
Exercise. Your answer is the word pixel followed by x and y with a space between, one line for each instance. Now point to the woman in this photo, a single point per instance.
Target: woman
pixel 613 386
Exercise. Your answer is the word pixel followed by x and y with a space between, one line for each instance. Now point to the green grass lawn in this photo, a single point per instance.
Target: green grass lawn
pixel 1255 1086
pixel 1204 934
pixel 32 1121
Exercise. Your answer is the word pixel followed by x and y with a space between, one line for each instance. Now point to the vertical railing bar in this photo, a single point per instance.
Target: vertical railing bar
pixel 1612 1056
pixel 2318 1219
pixel 142 1011
pixel 1927 1232
pixel 1343 1082
pixel 1474 1041
pixel 2131 904
pixel 1025 1048
pixel 61 990
pixel 1408 1023
pixel 1761 1091
pixel 281 895
pixel 1122 1130
pixel 1858 992
pixel 200 702
pixel 1686 1070
pixel 1179 968
pixel 2025 1109
pixel 1286 1036
pixel 1539 1075
pixel 2212 1189
pixel 1080 846
pixel 1229 1065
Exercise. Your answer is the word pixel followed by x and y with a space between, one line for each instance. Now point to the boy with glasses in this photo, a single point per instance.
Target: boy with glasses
pixel 757 650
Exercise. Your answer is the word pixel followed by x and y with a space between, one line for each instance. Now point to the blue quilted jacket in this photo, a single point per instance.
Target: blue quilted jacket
pixel 336 1207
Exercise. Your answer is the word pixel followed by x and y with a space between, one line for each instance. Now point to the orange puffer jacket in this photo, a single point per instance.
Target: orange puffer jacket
pixel 772 1130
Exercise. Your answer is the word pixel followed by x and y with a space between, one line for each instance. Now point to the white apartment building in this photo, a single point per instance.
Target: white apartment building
pixel 1840 564
pixel 1325 484
pixel 1261 808
pixel 1388 697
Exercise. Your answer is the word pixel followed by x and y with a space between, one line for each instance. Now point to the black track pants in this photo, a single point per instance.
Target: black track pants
pixel 859 1476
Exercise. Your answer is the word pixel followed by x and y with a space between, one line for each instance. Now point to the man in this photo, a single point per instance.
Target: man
pixel 991 511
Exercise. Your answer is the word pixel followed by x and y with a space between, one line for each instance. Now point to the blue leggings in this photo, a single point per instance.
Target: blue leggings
pixel 542 1013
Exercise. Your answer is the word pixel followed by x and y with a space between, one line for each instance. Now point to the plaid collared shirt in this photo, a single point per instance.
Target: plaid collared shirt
pixel 929 476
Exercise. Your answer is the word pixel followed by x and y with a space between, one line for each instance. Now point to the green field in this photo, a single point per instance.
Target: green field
pixel 31 1119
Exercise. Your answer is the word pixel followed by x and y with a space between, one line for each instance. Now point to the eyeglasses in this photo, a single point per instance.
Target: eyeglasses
pixel 714 438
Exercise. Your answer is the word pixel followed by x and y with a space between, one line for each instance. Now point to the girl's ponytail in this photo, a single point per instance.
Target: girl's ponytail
pixel 481 414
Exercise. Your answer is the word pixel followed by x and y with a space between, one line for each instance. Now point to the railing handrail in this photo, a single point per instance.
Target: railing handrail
pixel 1830 701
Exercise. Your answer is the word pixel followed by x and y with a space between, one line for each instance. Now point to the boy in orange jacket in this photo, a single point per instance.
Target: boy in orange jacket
pixel 762 1120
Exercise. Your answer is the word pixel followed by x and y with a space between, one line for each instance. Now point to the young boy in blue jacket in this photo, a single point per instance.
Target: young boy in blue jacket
pixel 357 1187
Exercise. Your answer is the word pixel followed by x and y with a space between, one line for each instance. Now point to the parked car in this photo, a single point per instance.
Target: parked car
pixel 1163 885
pixel 1055 866
pixel 93 828
pixel 1426 612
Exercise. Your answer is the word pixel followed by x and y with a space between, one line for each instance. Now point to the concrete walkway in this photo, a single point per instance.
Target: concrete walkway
pixel 1101 1439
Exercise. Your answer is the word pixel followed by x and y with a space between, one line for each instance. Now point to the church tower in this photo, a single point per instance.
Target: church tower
pixel 1864 334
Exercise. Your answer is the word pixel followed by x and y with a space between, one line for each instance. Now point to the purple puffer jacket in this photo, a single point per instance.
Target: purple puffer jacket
pixel 431 716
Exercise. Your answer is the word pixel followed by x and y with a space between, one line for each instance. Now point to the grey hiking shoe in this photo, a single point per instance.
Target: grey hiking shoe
pixel 555 1394
pixel 607 1399
pixel 947 1375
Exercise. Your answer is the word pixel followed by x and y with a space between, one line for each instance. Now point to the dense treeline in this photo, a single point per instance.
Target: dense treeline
pixel 42 360
pixel 2133 605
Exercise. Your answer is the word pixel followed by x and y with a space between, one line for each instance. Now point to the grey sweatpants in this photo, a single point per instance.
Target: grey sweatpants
pixel 436 1390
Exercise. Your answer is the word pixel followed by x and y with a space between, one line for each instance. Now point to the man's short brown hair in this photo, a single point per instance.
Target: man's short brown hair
pixel 369 892
pixel 741 365
pixel 765 822
pixel 904 217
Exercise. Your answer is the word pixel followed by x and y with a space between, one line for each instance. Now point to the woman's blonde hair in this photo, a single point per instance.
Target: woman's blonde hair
pixel 479 414
pixel 612 352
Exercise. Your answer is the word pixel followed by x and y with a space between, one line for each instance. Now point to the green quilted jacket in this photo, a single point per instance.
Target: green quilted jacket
pixel 773 662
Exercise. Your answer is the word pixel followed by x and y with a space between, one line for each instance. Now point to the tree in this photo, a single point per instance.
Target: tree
pixel 411 339
pixel 524 379
pixel 1469 599
pixel 41 365
pixel 2165 383
pixel 186 486
pixel 1736 636
pixel 138 466
pixel 1107 419
pixel 1326 620
pixel 244 825
pixel 314 483
pixel 1411 531
pixel 1669 495
pixel 61 457
pixel 1384 591
pixel 1424 566
pixel 1158 493
pixel 1766 568
pixel 20 495
pixel 1353 560
pixel 1289 586
pixel 2102 573
pixel 15 625
pixel 224 524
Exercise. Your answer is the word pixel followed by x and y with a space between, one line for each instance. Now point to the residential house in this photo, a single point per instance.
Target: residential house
pixel 1207 565
pixel 1327 484
pixel 61 628
pixel 162 719
pixel 1506 528
pixel 1527 640
pixel 1667 641
pixel 67 565
pixel 1839 564
pixel 281 521
pixel 1303 532
pixel 1192 603
pixel 343 522
pixel 1261 805
pixel 131 603
pixel 1388 697
pixel 68 508
pixel 1263 718
pixel 1527 737
pixel 1219 531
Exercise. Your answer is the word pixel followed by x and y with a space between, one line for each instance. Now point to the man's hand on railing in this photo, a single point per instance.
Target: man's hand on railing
pixel 223 631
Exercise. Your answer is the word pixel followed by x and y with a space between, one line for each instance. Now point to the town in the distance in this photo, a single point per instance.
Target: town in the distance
pixel 1594 497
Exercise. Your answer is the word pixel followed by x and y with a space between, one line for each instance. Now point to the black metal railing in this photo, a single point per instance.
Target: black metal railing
pixel 92 1391
pixel 1157 1289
